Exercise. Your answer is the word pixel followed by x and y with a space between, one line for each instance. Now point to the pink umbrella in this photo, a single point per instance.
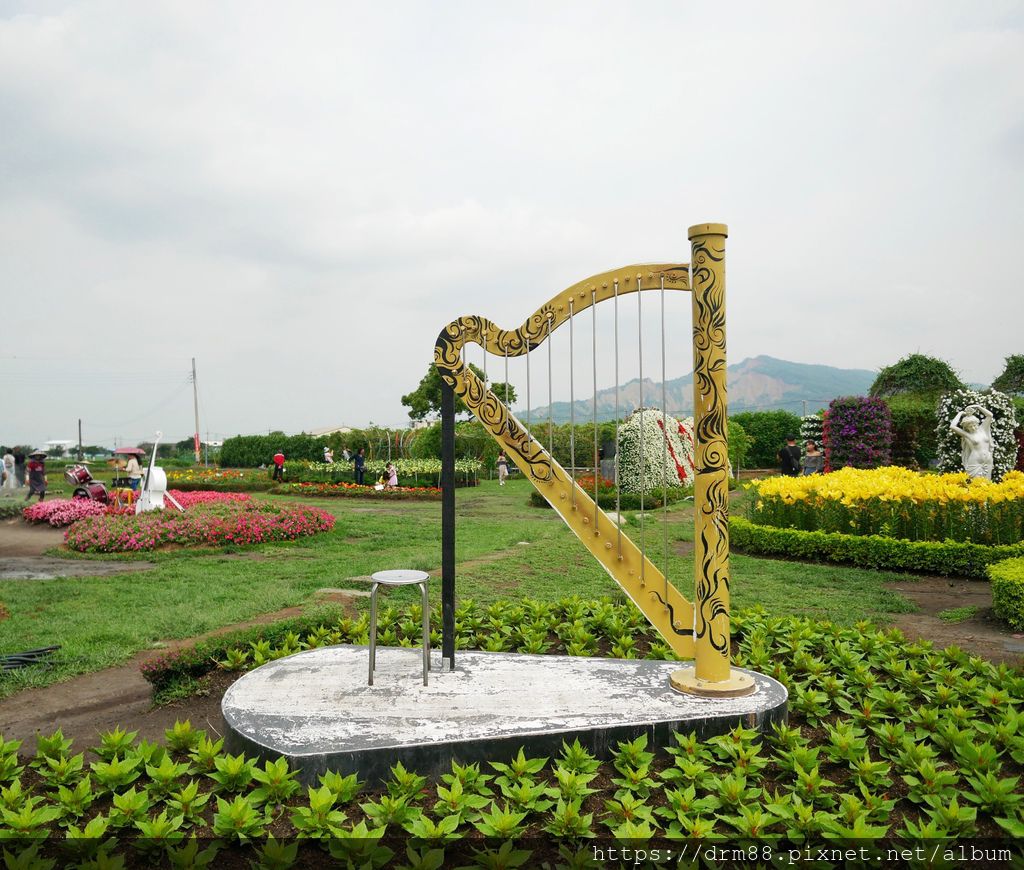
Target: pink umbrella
pixel 128 451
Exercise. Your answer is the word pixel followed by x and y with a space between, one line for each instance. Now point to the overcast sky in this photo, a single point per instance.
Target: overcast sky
pixel 301 195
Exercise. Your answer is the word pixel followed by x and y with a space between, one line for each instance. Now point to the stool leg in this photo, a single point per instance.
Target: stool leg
pixel 426 632
pixel 373 630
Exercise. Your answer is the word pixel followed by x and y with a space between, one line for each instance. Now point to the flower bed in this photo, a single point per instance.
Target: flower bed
pixel 64 511
pixel 220 479
pixel 353 490
pixel 209 524
pixel 889 744
pixel 191 498
pixel 897 503
pixel 857 432
pixel 60 512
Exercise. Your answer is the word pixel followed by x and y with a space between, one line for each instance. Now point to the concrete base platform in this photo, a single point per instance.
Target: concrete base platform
pixel 316 709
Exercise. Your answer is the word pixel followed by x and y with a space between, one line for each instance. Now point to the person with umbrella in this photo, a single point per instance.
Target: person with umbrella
pixel 132 467
pixel 36 467
pixel 134 472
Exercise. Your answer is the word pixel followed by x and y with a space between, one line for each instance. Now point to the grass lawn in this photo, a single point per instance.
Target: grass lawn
pixel 505 549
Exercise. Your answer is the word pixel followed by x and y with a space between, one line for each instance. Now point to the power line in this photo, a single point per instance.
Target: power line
pixel 162 403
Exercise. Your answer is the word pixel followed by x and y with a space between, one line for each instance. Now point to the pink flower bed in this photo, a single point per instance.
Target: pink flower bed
pixel 205 496
pixel 64 511
pixel 225 522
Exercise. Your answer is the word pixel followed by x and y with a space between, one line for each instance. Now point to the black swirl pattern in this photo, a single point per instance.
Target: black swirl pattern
pixel 712 580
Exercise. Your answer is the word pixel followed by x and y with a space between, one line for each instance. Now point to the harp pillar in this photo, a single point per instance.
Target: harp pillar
pixel 448 524
pixel 711 673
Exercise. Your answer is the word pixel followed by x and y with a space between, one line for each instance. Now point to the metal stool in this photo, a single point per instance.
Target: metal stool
pixel 400 578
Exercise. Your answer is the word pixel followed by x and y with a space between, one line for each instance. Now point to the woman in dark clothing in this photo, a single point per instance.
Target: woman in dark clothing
pixel 360 465
pixel 36 475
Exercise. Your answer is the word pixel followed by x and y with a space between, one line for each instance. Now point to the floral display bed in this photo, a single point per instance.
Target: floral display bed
pixel 216 523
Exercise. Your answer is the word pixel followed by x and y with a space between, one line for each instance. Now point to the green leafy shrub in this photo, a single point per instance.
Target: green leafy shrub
pixel 1008 591
pixel 948 558
pixel 885 738
pixel 767 431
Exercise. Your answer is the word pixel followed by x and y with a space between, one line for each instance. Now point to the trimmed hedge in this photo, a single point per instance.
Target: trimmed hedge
pixel 1008 591
pixel 628 501
pixel 225 485
pixel 947 558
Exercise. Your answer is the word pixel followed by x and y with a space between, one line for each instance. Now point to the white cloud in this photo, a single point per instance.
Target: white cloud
pixel 303 199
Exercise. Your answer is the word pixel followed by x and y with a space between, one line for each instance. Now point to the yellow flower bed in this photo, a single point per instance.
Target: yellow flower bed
pixel 896 502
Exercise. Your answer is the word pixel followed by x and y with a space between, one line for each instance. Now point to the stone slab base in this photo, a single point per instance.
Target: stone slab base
pixel 316 709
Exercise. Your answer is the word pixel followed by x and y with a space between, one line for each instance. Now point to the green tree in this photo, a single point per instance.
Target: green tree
pixel 768 431
pixel 425 400
pixel 739 445
pixel 918 375
pixel 1012 378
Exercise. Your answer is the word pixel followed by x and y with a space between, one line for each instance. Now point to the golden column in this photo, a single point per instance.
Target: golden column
pixel 711 673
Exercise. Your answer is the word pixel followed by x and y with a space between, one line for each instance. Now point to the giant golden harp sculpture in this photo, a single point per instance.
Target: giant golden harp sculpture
pixel 698 629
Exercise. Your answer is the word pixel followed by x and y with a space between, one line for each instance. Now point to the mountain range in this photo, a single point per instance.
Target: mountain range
pixel 760 383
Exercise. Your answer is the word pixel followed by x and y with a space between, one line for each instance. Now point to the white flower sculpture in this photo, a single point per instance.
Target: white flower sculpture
pixel 667 452
pixel 1004 425
pixel 811 426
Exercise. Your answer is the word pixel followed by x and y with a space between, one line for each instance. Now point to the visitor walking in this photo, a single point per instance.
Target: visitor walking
pixel 36 467
pixel 19 468
pixel 8 470
pixel 814 460
pixel 391 476
pixel 502 468
pixel 278 466
pixel 789 457
pixel 359 465
pixel 134 472
pixel 328 455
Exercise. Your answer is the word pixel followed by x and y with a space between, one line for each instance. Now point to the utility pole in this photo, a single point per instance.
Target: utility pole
pixel 195 401
pixel 79 439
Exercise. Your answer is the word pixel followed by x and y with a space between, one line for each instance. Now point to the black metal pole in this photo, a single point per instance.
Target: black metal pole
pixel 448 523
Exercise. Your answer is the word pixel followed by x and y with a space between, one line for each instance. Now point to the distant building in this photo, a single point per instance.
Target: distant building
pixel 330 430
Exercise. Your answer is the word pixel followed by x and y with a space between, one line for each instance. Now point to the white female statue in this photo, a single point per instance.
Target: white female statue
pixel 975 440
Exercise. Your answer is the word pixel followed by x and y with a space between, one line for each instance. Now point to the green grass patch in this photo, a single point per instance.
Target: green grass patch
pixel 958 614
pixel 103 621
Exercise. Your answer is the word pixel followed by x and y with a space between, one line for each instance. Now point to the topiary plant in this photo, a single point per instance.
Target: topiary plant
pixel 654 452
pixel 916 374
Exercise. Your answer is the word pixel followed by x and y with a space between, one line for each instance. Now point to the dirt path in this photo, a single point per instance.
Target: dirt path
pixel 982 634
pixel 18 538
pixel 22 546
pixel 89 704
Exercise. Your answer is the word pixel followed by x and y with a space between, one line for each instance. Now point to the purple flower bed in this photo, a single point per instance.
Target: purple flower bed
pixel 857 432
